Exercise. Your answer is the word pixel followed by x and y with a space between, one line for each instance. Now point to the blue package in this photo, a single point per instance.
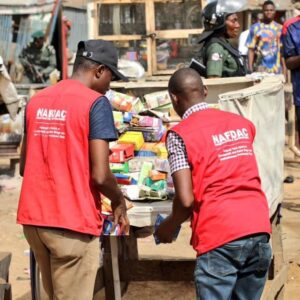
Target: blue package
pixel 158 221
pixel 127 116
pixel 110 229
pixel 107 227
pixel 121 176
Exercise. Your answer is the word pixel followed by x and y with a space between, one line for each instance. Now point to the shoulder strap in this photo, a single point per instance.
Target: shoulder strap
pixel 225 44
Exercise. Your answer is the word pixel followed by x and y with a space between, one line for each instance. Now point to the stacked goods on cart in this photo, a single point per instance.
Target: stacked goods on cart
pixel 139 158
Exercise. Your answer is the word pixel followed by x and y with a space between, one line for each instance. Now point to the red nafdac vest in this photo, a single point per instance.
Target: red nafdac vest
pixel 57 189
pixel 228 200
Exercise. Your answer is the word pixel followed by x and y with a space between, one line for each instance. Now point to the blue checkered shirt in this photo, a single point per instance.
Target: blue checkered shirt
pixel 176 148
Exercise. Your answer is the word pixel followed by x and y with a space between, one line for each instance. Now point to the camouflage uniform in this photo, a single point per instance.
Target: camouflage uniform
pixel 42 60
pixel 219 61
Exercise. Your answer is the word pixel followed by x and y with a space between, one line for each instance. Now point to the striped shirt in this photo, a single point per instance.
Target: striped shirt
pixel 176 148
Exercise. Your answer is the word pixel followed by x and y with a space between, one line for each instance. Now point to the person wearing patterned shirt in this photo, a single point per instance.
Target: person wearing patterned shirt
pixel 264 43
pixel 217 184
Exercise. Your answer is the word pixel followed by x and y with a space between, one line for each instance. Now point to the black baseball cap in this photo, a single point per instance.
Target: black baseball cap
pixel 102 52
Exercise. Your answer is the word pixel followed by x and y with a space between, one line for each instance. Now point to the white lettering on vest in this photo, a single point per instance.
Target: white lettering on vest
pixel 230 136
pixel 51 114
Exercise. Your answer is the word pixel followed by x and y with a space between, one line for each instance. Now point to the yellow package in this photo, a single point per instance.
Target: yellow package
pixel 132 137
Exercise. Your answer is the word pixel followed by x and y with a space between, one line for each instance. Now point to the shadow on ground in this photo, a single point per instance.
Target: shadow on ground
pixel 292 206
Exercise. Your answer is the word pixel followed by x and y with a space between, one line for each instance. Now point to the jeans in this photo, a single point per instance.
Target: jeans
pixel 236 270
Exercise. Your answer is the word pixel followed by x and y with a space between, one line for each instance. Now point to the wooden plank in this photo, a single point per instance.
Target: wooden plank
pixel 151 43
pixel 157 270
pixel 5 287
pixel 274 287
pixel 135 1
pixel 139 85
pixel 115 266
pixel 203 3
pixel 5 291
pixel 177 33
pixel 107 267
pixel 119 1
pixel 91 19
pixel 5 259
pixel 164 84
pixel 119 37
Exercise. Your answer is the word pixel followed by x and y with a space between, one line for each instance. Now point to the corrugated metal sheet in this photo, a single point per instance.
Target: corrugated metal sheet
pixel 23 7
pixel 5 36
pixel 79 30
pixel 25 2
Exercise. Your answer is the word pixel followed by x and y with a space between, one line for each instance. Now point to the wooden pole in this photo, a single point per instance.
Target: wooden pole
pixel 115 266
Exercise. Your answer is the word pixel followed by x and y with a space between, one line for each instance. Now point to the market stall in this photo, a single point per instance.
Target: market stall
pixel 261 101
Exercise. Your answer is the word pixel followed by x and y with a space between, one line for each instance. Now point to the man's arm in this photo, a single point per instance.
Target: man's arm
pixel 182 206
pixel 184 199
pixel 250 59
pixel 214 60
pixel 52 63
pixel 251 44
pixel 293 62
pixel 284 69
pixel 105 181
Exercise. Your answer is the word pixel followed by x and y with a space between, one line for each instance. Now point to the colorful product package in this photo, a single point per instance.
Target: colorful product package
pixel 145 170
pixel 160 218
pixel 161 150
pixel 118 118
pixel 146 121
pixel 153 135
pixel 119 101
pixel 121 153
pixel 157 99
pixel 110 228
pixel 136 163
pixel 124 179
pixel 127 116
pixel 156 175
pixel 161 165
pixel 119 167
pixel 132 137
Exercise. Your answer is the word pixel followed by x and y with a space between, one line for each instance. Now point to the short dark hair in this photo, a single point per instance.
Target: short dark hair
pixel 268 2
pixel 81 63
pixel 177 82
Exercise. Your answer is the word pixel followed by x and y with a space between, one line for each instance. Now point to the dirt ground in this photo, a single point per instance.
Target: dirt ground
pixel 12 240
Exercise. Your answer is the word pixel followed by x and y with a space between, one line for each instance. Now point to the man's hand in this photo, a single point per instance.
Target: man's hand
pixel 106 182
pixel 120 216
pixel 166 230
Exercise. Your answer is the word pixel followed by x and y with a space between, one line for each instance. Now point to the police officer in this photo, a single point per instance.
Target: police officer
pixel 219 57
pixel 38 60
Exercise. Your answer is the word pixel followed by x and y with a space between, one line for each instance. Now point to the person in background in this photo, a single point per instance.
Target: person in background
pixel 65 164
pixel 38 60
pixel 244 36
pixel 264 46
pixel 219 57
pixel 291 53
pixel 217 185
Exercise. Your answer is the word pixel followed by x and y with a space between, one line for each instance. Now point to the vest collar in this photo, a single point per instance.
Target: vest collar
pixel 195 108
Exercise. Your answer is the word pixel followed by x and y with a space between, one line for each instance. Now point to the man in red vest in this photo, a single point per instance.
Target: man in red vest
pixel 65 167
pixel 217 184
